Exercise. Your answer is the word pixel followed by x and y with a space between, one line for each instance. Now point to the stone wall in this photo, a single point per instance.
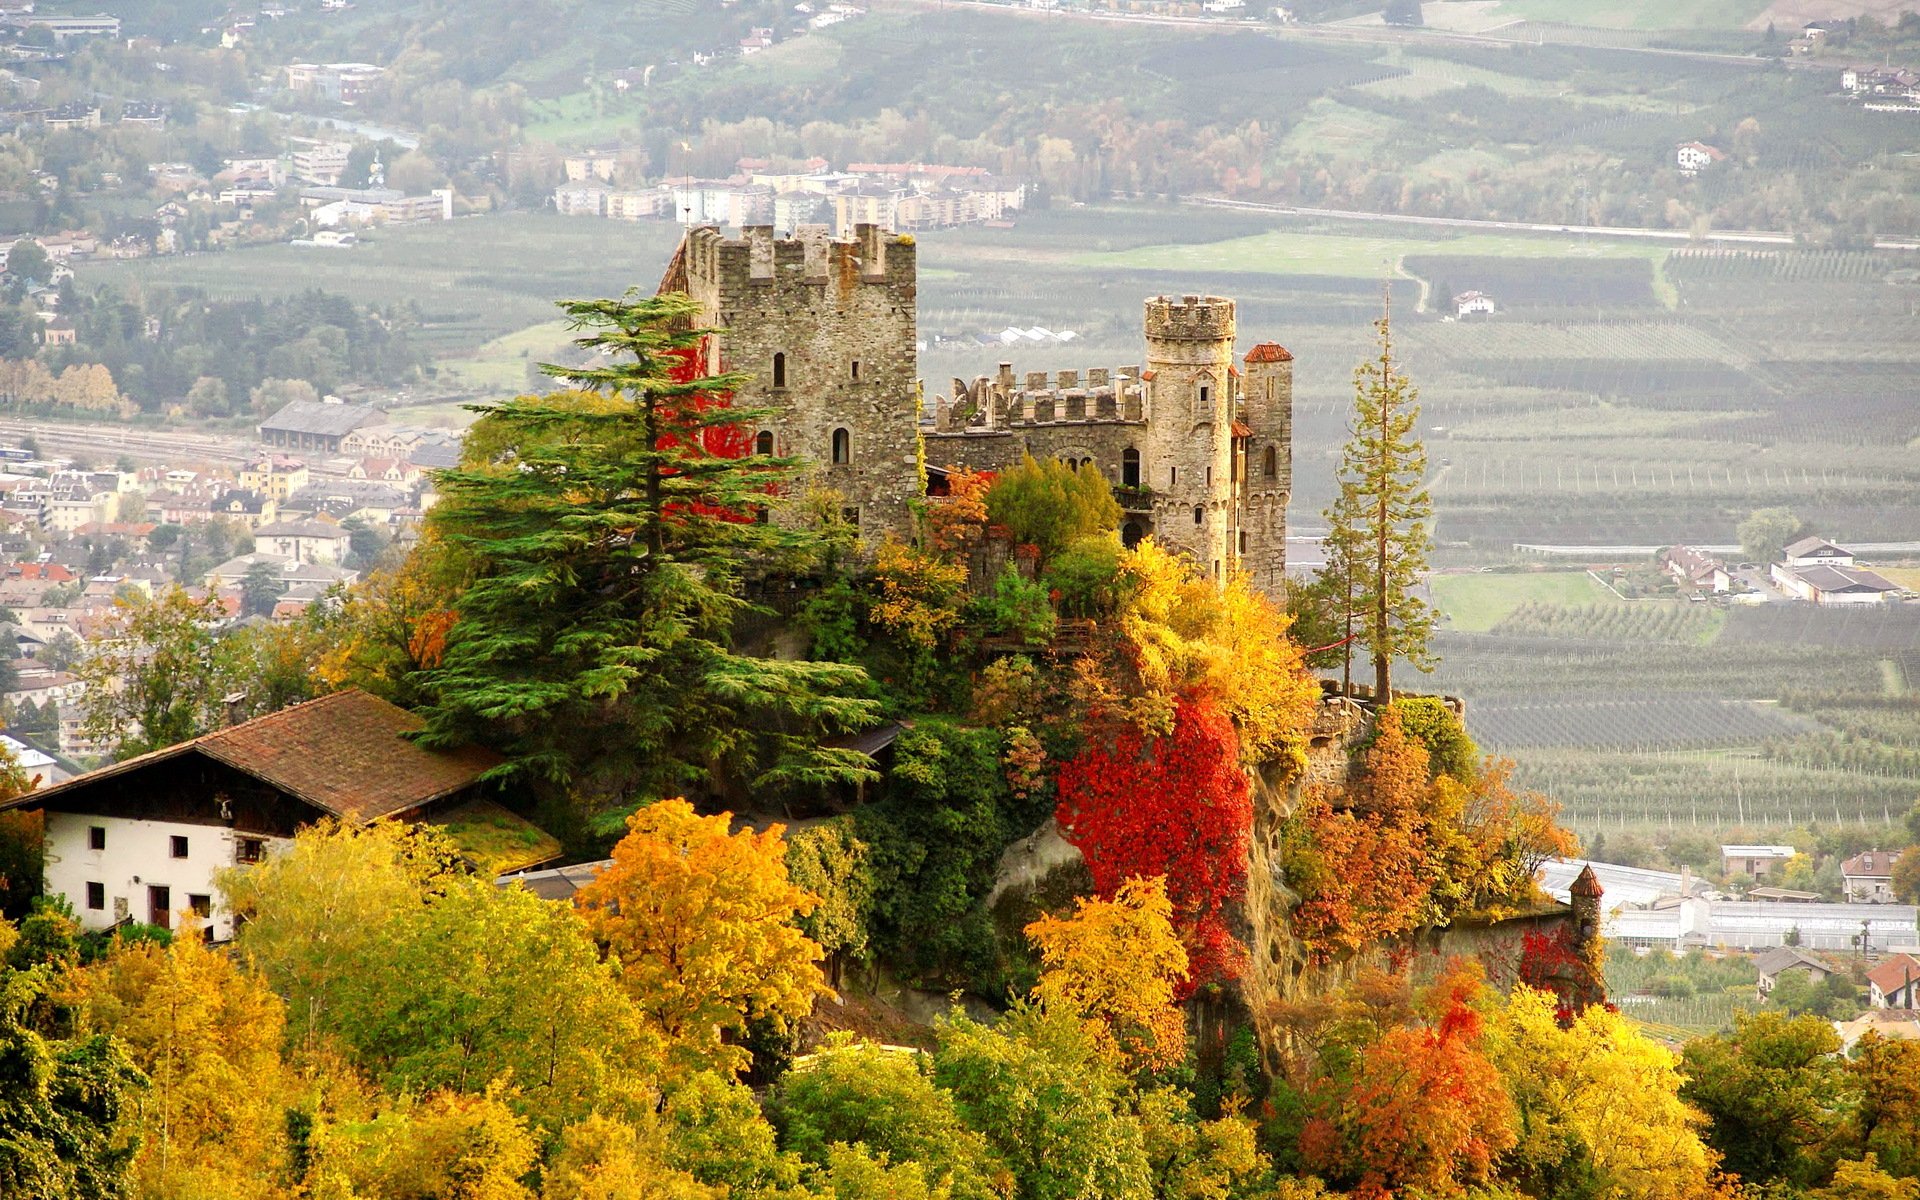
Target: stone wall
pixel 825 332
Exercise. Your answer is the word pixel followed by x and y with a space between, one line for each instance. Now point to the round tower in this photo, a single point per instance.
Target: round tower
pixel 1187 458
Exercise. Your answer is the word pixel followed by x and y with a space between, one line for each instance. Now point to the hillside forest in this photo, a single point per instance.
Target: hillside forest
pixel 672 682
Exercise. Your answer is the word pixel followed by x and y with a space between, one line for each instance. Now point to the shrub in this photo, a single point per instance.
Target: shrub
pixel 1086 576
pixel 1050 505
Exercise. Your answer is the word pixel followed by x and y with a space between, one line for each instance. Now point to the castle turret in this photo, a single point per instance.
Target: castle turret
pixel 1267 411
pixel 1187 456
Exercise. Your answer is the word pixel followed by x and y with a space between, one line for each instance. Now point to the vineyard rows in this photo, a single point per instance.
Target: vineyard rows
pixel 1645 621
pixel 1631 341
pixel 1786 266
pixel 1884 628
pixel 1647 723
pixel 1705 790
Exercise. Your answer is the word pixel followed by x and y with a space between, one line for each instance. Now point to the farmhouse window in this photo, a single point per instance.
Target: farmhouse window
pixel 96 896
pixel 179 846
pixel 96 837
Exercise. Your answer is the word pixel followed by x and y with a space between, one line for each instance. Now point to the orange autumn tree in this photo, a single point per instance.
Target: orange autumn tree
pixel 1422 1109
pixel 1118 964
pixel 1408 846
pixel 701 920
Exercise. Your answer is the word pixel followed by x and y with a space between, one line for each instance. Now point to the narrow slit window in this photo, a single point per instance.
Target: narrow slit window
pixel 856 370
pixel 780 370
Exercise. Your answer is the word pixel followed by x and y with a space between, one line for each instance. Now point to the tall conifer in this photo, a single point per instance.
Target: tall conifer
pixel 1380 525
pixel 605 532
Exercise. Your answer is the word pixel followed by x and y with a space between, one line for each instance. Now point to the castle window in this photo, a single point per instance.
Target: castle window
pixel 856 370
pixel 1199 514
pixel 1243 543
pixel 780 370
pixel 1173 476
pixel 1130 468
pixel 851 516
pixel 1272 461
pixel 1205 395
pixel 842 447
pixel 1209 474
pixel 763 443
pixel 1130 534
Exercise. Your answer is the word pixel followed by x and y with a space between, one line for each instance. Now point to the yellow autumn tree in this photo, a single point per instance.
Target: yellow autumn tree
pixel 1118 964
pixel 208 1036
pixel 602 1158
pixel 1599 1102
pixel 1186 633
pixel 445 1146
pixel 701 920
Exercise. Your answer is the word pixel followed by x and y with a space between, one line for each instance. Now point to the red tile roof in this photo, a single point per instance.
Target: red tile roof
pixel 1269 352
pixel 346 754
pixel 1892 975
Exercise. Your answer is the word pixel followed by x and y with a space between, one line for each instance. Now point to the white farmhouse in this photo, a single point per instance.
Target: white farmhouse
pixel 1694 157
pixel 146 839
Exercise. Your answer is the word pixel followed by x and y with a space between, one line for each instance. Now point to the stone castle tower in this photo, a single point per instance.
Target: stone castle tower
pixel 825 332
pixel 1199 453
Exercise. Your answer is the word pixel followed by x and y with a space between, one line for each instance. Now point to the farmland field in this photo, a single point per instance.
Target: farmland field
pixel 1476 603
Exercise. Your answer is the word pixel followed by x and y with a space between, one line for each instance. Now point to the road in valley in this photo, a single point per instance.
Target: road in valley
pixel 98 440
pixel 1767 237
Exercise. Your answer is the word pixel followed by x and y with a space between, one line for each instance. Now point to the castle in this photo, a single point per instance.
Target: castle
pixel 1199 452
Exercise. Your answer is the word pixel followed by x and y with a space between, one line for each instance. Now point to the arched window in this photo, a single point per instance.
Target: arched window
pixel 842 447
pixel 1130 534
pixel 1272 461
pixel 780 370
pixel 1130 468
pixel 763 443
pixel 1199 514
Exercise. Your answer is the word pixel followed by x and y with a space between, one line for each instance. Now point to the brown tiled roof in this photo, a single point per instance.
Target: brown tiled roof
pixel 1269 352
pixel 1871 863
pixel 345 754
pixel 1586 883
pixel 1892 975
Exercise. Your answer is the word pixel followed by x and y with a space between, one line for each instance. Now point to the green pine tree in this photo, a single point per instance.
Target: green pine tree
pixel 604 532
pixel 1380 525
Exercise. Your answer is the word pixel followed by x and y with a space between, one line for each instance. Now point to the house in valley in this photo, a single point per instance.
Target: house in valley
pixel 1895 983
pixel 1868 876
pixel 1784 960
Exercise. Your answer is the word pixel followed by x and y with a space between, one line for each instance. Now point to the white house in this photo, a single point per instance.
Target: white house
pixel 303 541
pixel 1868 876
pixel 1694 157
pixel 1468 304
pixel 1895 983
pixel 1816 552
pixel 1698 569
pixel 146 839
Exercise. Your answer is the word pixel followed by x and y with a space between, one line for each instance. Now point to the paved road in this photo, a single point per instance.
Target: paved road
pixel 1748 236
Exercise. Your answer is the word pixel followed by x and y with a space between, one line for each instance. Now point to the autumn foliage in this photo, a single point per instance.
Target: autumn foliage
pixel 1178 807
pixel 701 920
pixel 1117 965
pixel 1421 1108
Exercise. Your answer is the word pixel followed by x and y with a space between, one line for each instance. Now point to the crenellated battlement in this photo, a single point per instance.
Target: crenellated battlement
pixel 1099 394
pixel 811 258
pixel 1190 319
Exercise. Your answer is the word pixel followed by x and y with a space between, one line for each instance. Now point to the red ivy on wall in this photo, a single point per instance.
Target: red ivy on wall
pixel 1176 806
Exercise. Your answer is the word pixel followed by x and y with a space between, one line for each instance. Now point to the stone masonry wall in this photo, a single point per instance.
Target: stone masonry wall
pixel 825 330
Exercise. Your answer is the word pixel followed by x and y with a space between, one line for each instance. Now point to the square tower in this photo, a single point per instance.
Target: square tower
pixel 825 331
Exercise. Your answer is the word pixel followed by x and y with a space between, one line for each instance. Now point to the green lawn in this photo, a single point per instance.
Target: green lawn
pixel 1476 603
pixel 500 366
pixel 1288 252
